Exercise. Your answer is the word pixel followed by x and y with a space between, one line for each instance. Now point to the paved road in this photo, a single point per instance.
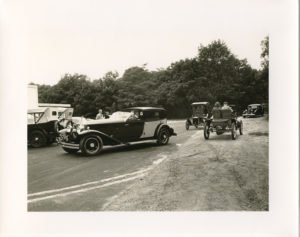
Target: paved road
pixel 58 181
pixel 187 174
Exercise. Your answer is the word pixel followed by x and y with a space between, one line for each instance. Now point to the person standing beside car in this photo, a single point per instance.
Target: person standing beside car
pixel 100 115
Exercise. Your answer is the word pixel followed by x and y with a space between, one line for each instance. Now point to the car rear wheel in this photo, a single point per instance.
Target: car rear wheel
pixel 163 136
pixel 206 131
pixel 71 151
pixel 91 145
pixel 241 128
pixel 187 125
pixel 38 139
pixel 233 131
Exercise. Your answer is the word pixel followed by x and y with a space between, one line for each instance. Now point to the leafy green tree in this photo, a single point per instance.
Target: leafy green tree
pixel 265 52
pixel 215 74
pixel 137 88
pixel 264 73
pixel 221 68
pixel 106 91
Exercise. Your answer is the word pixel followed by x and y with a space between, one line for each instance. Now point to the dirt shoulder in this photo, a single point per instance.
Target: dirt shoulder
pixel 214 175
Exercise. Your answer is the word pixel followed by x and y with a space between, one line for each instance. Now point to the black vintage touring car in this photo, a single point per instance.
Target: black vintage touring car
pixel 222 121
pixel 43 124
pixel 129 125
pixel 199 113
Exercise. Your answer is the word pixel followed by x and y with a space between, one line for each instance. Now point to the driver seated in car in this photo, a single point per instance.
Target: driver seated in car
pixel 227 111
pixel 100 114
pixel 134 115
pixel 226 106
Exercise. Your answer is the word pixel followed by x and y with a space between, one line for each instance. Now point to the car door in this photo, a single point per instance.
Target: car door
pixel 132 130
pixel 151 121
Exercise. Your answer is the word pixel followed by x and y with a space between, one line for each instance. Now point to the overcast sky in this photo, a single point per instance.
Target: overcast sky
pixel 93 37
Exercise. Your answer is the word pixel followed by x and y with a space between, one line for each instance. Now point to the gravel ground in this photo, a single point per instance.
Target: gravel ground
pixel 206 175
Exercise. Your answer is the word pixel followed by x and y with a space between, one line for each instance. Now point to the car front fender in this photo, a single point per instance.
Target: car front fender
pixel 107 139
pixel 161 126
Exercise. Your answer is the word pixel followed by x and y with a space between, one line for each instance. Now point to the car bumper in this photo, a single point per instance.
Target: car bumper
pixel 249 115
pixel 172 133
pixel 69 145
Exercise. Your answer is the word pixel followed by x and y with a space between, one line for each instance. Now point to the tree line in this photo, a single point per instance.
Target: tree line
pixel 215 74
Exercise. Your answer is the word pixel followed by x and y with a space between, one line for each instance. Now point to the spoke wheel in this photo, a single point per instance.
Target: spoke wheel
pixel 241 128
pixel 206 131
pixel 187 125
pixel 91 145
pixel 233 131
pixel 163 136
pixel 38 139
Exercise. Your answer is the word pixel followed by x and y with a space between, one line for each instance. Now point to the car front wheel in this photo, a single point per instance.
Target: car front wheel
pixel 233 131
pixel 163 136
pixel 37 139
pixel 187 125
pixel 241 128
pixel 91 145
pixel 206 131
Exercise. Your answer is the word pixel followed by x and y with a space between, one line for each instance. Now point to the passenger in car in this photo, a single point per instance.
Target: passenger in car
pixel 100 115
pixel 216 111
pixel 226 106
pixel 106 115
pixel 226 111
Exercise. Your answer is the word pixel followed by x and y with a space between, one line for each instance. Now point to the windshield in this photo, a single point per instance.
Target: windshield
pixel 79 120
pixel 120 115
pixel 34 117
pixel 199 109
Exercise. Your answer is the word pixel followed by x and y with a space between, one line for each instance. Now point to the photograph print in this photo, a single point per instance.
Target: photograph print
pixel 147 106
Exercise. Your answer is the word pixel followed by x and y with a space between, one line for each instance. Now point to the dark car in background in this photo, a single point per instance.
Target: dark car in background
pixel 253 110
pixel 123 127
pixel 199 113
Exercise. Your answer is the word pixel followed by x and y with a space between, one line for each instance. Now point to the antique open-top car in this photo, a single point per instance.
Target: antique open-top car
pixel 43 124
pixel 199 114
pixel 254 110
pixel 223 120
pixel 123 127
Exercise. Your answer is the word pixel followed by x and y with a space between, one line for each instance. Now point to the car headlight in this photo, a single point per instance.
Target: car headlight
pixel 80 127
pixel 74 135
